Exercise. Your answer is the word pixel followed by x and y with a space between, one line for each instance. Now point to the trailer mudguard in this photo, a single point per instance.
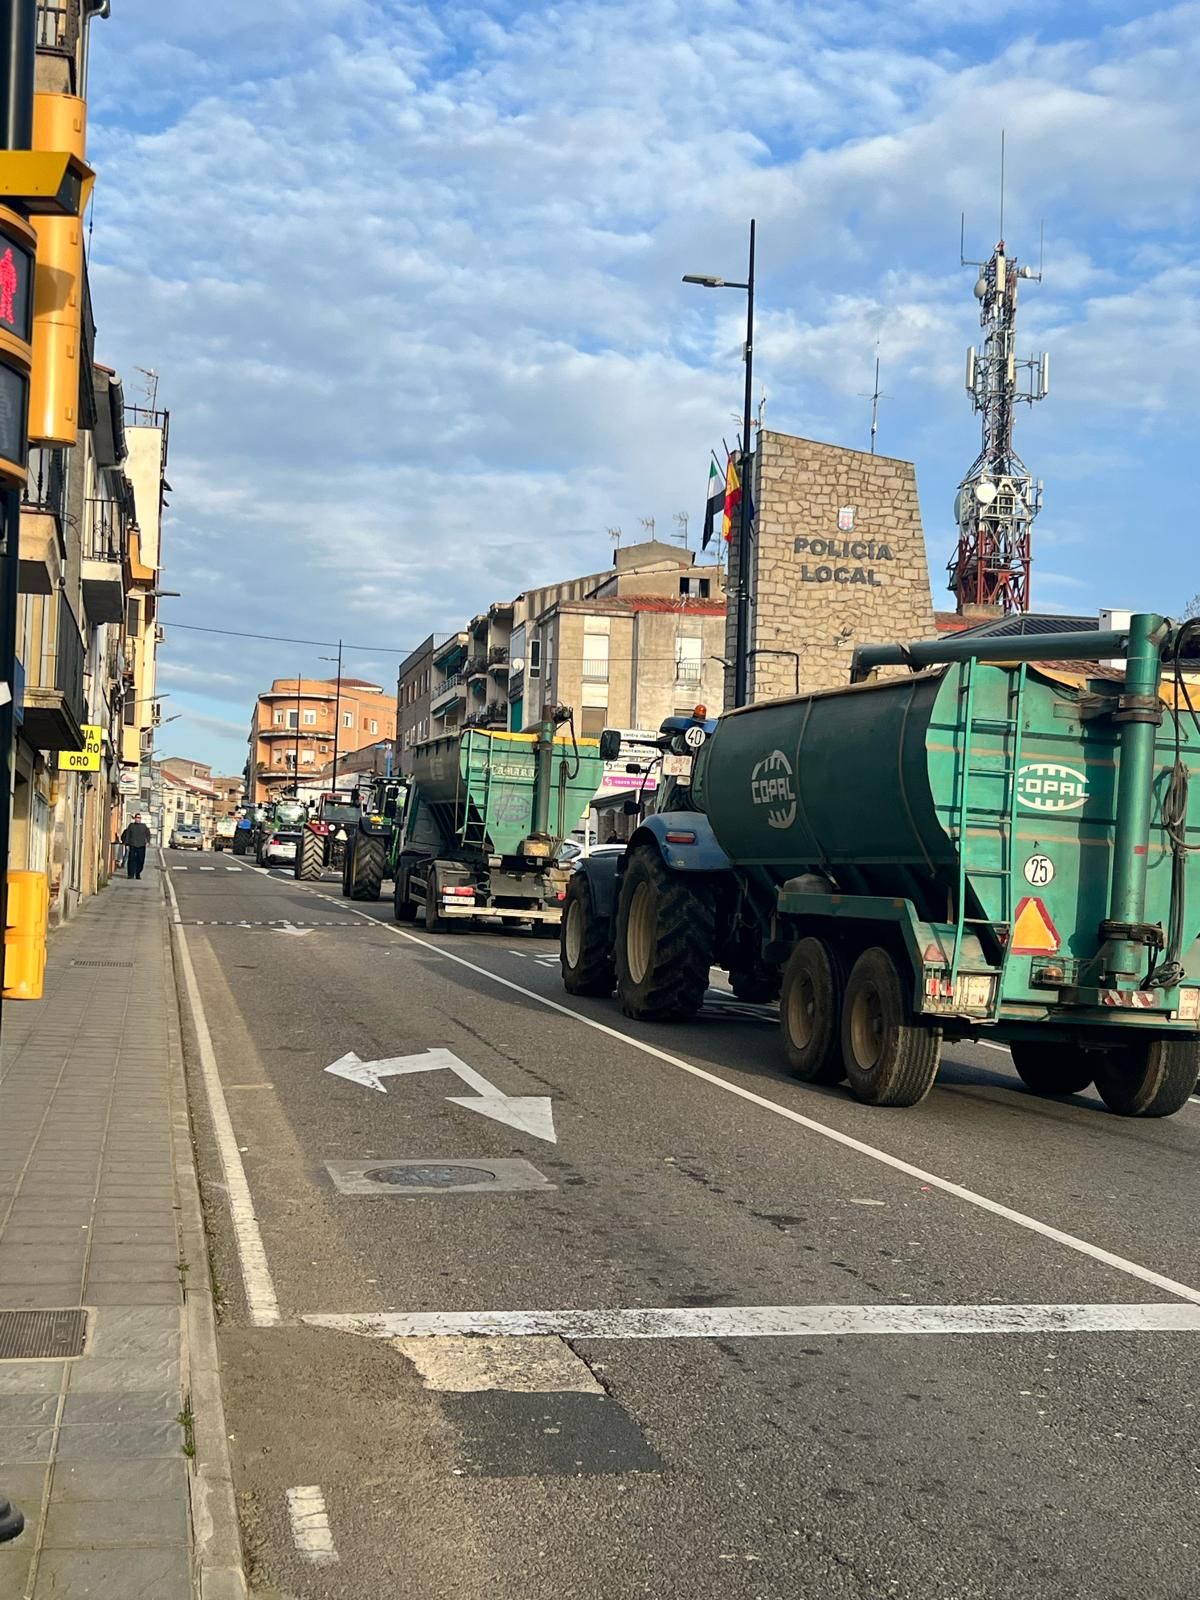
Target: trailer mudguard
pixel 684 839
pixel 603 881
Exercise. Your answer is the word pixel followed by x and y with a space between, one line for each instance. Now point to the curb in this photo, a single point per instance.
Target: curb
pixel 218 1572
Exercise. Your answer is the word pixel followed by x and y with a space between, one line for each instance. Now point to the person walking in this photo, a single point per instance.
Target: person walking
pixel 135 839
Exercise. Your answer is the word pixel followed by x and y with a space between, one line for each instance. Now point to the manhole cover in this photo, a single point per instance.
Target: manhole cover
pixel 430 1177
pixel 426 1176
pixel 41 1335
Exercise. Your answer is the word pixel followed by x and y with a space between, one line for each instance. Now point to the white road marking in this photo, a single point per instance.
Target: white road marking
pixel 178 869
pixel 208 869
pixel 256 1273
pixel 233 869
pixel 541 1364
pixel 530 1113
pixel 988 1045
pixel 311 1532
pixel 767 1322
pixel 1019 1219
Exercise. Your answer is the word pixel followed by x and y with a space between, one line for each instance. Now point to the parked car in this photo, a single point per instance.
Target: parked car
pixel 186 836
pixel 279 846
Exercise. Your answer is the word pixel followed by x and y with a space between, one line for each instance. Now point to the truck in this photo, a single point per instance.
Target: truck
pixel 487 812
pixel 367 857
pixel 224 832
pixel 997 845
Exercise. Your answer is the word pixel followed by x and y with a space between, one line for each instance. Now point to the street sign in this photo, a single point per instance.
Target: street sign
pixel 87 759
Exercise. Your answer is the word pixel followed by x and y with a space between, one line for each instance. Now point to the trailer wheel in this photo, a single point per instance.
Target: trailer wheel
pixel 890 1060
pixel 310 856
pixel 665 935
pixel 757 984
pixel 433 923
pixel 1052 1069
pixel 363 871
pixel 584 951
pixel 404 908
pixel 1148 1077
pixel 810 1008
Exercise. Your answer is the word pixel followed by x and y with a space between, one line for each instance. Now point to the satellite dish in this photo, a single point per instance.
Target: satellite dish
pixel 985 491
pixel 981 288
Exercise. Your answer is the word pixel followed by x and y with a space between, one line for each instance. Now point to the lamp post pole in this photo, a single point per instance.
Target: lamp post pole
pixel 296 755
pixel 741 648
pixel 337 711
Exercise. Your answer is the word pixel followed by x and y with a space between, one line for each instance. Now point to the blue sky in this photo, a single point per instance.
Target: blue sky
pixel 410 277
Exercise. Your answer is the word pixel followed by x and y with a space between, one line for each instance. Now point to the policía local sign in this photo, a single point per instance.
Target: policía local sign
pixel 87 759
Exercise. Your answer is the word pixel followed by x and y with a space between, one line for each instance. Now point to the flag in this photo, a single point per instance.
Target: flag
pixel 733 498
pixel 713 505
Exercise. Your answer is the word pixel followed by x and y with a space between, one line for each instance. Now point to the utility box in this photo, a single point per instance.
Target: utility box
pixel 25 935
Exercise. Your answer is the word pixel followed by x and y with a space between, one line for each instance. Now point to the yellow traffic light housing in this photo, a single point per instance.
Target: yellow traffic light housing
pixel 25 935
pixel 59 124
pixel 48 183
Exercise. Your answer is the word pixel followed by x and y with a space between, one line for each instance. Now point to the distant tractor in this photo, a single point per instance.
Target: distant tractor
pixel 366 858
pixel 324 835
pixel 285 817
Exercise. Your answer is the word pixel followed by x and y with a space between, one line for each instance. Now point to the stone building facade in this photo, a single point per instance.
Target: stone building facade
pixel 839 560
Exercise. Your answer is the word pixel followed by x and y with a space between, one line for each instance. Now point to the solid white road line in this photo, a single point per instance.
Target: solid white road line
pixel 1070 1241
pixel 311 1532
pixel 256 1274
pixel 767 1322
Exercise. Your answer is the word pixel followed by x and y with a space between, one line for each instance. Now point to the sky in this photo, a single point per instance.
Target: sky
pixel 409 276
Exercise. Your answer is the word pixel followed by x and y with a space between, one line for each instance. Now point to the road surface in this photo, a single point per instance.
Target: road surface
pixel 742 1384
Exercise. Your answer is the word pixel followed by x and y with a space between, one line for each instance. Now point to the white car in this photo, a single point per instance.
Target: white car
pixel 280 847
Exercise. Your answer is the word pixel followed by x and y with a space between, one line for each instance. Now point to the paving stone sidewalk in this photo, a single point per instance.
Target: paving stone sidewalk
pixel 93 1213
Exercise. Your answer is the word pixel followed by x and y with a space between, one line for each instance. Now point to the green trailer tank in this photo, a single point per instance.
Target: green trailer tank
pixel 485 815
pixel 983 848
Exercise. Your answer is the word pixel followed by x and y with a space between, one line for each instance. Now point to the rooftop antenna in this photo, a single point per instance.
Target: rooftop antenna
pixel 681 526
pixel 647 525
pixel 615 535
pixel 875 397
pixel 998 500
pixel 151 377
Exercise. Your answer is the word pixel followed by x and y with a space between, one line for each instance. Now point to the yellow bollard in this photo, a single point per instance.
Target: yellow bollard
pixel 25 935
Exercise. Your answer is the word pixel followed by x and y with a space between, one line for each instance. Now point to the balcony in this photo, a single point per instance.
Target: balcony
pixel 448 695
pixel 54 706
pixel 43 504
pixel 498 658
pixel 103 579
pixel 476 667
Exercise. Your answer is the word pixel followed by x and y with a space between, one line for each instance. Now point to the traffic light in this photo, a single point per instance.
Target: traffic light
pixel 18 244
pixel 26 919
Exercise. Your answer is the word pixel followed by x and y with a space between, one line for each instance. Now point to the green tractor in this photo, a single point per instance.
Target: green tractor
pixel 324 836
pixel 367 855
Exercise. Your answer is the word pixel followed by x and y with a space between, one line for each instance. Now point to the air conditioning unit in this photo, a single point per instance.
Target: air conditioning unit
pixel 160 633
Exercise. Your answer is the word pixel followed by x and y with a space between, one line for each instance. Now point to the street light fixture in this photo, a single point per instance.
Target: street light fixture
pixel 741 652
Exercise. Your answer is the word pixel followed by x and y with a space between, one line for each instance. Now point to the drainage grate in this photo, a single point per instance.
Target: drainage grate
pixel 102 963
pixel 41 1335
pixel 434 1177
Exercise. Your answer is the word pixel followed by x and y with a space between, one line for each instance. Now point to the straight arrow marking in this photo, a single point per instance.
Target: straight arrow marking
pixel 532 1114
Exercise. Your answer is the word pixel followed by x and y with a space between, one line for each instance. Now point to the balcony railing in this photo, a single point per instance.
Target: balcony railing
pixel 498 655
pixel 687 674
pixel 102 531
pixel 58 26
pixel 475 667
pixel 46 486
pixel 54 704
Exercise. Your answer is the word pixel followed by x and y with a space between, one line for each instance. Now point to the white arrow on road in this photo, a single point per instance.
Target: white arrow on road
pixel 296 933
pixel 531 1113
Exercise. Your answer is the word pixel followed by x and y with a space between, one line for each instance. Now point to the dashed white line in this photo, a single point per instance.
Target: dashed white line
pixel 768 1322
pixel 256 1273
pixel 311 1532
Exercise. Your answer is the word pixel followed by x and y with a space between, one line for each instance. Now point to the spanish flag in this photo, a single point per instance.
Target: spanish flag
pixel 733 498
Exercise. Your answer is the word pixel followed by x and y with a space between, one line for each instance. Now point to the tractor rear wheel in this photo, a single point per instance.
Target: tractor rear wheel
pixel 584 950
pixel 363 871
pixel 1052 1069
pixel 310 856
pixel 1148 1077
pixel 890 1060
pixel 666 924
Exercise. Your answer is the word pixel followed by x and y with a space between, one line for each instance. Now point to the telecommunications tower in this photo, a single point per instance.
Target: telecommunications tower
pixel 998 500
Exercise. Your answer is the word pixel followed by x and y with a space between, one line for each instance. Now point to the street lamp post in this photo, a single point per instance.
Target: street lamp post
pixel 296 755
pixel 337 710
pixel 741 649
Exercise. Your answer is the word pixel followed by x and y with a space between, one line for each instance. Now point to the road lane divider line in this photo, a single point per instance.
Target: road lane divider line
pixel 311 1533
pixel 1020 1219
pixel 256 1272
pixel 767 1322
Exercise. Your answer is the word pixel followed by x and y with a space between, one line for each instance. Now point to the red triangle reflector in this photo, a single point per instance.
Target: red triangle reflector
pixel 1034 933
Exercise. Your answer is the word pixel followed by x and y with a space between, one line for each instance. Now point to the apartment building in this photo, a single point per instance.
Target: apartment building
pixel 297 721
pixel 147 440
pixel 186 795
pixel 448 688
pixel 414 692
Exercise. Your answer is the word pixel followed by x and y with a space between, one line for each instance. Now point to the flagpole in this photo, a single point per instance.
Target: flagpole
pixel 741 648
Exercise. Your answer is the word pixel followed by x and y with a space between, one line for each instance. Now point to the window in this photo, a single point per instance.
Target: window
pixel 347 719
pixel 535 658
pixel 291 718
pixel 310 719
pixel 689 662
pixel 129 711
pixel 698 588
pixel 306 758
pixel 595 649
pixel 279 719
pixel 133 616
pixel 424 732
pixel 374 726
pixel 594 720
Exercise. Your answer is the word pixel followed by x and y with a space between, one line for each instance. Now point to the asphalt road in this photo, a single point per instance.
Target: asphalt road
pixel 1018 1459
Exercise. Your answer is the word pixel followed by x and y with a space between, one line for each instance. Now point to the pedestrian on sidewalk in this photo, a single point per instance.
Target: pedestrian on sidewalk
pixel 135 839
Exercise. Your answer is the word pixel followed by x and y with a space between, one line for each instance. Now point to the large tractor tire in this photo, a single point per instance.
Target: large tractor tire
pixel 363 870
pixel 1052 1069
pixel 310 856
pixel 666 923
pixel 1148 1077
pixel 889 1059
pixel 239 845
pixel 584 950
pixel 810 1012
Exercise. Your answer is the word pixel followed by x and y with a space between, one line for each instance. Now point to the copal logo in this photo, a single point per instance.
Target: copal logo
pixel 1051 786
pixel 771 786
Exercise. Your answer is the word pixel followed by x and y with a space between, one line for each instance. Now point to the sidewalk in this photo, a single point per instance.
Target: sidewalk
pixel 99 1210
